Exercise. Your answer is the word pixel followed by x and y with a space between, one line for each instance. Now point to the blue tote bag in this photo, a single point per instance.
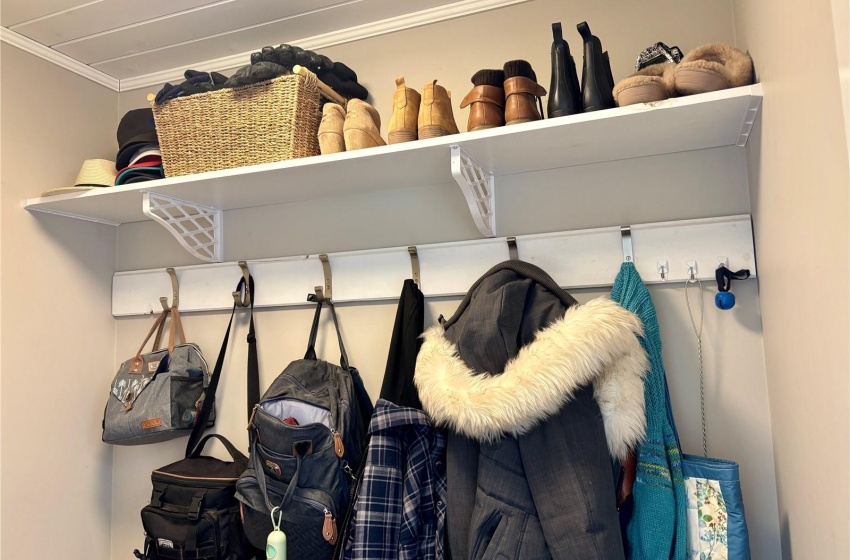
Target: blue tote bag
pixel 716 526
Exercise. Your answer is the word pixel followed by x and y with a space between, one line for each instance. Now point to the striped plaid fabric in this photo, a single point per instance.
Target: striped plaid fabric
pixel 400 511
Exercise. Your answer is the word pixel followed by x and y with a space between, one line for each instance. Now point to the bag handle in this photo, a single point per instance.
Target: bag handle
pixel 253 373
pixel 314 330
pixel 234 453
pixel 176 330
pixel 157 327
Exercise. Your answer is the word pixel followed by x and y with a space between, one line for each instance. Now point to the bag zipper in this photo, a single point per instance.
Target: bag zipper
pixel 259 406
pixel 329 530
pixel 203 482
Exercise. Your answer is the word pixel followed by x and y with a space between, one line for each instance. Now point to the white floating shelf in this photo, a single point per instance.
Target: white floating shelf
pixel 722 118
pixel 575 259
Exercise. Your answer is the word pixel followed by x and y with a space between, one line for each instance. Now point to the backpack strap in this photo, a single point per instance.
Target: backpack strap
pixel 314 331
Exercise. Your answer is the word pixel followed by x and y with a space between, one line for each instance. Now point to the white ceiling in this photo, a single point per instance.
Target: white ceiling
pixel 130 40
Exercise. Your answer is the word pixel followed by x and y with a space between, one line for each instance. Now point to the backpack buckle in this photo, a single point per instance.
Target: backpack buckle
pixel 195 507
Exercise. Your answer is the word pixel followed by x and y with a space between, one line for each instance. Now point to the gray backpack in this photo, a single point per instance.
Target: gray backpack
pixel 306 439
pixel 157 396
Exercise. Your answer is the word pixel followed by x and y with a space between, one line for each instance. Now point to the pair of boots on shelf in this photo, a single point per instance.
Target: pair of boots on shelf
pixel 597 81
pixel 507 96
pixel 355 127
pixel 418 116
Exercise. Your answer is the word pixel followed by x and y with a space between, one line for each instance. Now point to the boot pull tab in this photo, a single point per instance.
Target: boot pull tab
pixel 339 447
pixel 584 31
pixel 557 33
pixel 399 82
pixel 329 528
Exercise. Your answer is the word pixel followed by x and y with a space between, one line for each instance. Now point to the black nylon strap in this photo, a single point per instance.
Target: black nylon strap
pixel 253 378
pixel 235 453
pixel 209 394
pixel 253 362
pixel 724 277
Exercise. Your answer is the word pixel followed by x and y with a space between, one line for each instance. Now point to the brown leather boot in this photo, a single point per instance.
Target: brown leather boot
pixel 330 129
pixel 488 107
pixel 362 128
pixel 521 95
pixel 435 112
pixel 404 122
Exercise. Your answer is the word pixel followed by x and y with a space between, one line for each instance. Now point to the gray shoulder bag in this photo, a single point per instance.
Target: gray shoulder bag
pixel 158 395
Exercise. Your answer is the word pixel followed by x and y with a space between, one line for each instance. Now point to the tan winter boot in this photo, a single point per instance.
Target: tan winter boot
pixel 521 92
pixel 435 112
pixel 362 128
pixel 330 129
pixel 403 123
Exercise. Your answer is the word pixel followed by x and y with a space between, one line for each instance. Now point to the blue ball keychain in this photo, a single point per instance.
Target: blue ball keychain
pixel 724 298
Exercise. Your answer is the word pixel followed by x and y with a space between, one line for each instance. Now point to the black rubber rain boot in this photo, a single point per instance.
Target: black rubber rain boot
pixel 564 91
pixel 596 81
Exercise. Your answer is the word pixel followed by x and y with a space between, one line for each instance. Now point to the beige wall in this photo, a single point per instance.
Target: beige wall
pixel 57 332
pixel 799 188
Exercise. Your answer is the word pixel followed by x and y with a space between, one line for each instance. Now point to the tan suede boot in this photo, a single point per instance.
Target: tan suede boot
pixel 362 128
pixel 403 123
pixel 435 112
pixel 521 95
pixel 488 107
pixel 330 129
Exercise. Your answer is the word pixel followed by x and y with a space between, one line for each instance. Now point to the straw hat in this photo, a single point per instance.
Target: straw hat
pixel 94 173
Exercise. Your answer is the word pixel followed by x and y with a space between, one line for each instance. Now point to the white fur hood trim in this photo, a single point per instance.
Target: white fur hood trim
pixel 592 343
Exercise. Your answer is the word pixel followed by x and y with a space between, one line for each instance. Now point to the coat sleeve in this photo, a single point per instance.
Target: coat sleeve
pixel 569 473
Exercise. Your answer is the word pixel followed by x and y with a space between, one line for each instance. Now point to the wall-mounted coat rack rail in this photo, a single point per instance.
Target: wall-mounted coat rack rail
pixel 575 259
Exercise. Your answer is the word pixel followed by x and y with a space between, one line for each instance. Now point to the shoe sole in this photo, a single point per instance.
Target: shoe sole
pixel 643 93
pixel 519 121
pixel 401 136
pixel 691 81
pixel 484 127
pixel 432 131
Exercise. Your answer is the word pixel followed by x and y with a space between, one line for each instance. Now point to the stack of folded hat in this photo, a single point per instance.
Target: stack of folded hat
pixel 139 158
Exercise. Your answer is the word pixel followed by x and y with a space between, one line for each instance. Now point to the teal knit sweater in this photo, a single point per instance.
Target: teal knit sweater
pixel 657 530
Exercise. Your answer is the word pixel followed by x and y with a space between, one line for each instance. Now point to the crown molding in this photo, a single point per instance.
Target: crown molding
pixel 59 59
pixel 348 35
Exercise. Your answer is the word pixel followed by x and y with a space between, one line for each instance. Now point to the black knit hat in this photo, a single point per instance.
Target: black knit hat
pixel 488 78
pixel 519 68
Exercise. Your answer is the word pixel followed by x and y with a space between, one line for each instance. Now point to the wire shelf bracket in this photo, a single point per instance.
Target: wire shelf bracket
pixel 196 227
pixel 478 187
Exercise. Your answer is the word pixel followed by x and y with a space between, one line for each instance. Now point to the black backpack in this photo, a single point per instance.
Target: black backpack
pixel 193 513
pixel 306 439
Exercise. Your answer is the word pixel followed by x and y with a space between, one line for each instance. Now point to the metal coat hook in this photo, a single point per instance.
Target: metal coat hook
pixel 628 252
pixel 323 293
pixel 175 292
pixel 243 299
pixel 414 265
pixel 513 252
pixel 663 268
pixel 692 271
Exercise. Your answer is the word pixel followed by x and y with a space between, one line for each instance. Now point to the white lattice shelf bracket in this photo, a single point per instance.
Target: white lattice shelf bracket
pixel 196 227
pixel 478 188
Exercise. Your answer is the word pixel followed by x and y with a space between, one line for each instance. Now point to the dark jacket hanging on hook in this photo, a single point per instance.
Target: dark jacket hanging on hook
pixel 398 386
pixel 536 391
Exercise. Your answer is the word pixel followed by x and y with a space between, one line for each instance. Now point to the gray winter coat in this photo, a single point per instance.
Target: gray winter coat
pixel 538 393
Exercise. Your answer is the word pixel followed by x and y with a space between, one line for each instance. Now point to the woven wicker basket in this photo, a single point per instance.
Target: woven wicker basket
pixel 260 123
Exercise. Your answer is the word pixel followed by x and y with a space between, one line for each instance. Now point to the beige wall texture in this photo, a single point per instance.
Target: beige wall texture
pixel 57 332
pixel 799 187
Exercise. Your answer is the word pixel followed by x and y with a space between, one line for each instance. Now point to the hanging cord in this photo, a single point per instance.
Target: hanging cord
pixel 698 333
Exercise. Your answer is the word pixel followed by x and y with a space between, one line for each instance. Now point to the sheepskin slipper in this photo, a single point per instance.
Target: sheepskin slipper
pixel 713 67
pixel 653 83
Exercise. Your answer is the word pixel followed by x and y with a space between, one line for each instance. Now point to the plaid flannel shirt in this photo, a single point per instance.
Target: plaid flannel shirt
pixel 400 511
